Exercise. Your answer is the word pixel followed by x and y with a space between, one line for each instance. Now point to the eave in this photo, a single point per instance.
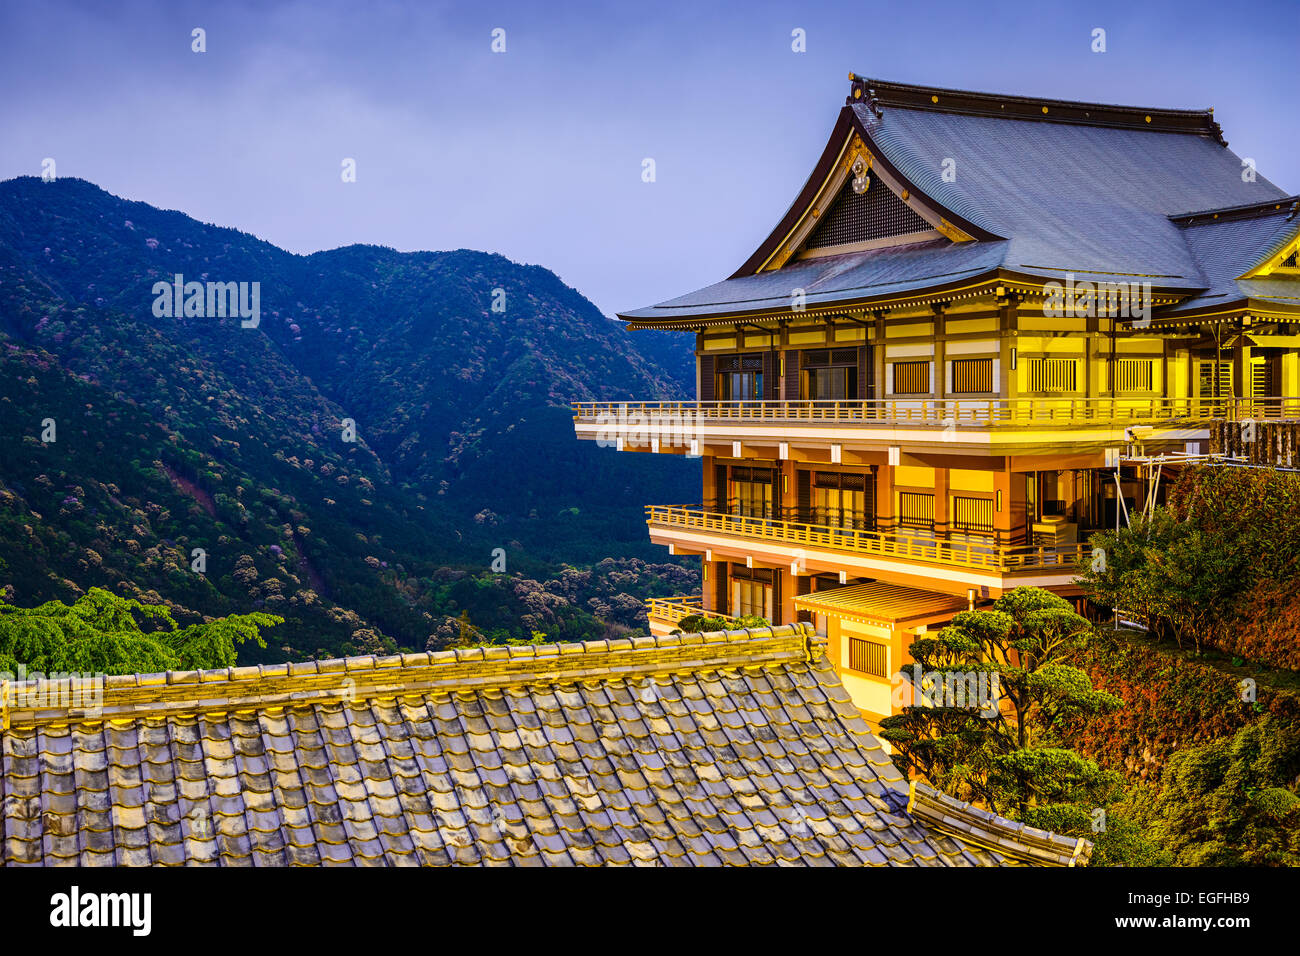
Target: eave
pixel 995 284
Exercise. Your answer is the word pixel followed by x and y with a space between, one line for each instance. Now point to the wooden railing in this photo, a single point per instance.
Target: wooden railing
pixel 942 413
pixel 670 610
pixel 979 554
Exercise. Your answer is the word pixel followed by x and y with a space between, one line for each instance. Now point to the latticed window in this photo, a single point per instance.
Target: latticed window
pixel 1135 375
pixel 752 599
pixel 1052 375
pixel 868 657
pixel 840 500
pixel 739 377
pixel 911 378
pixel 752 591
pixel 972 375
pixel 1210 385
pixel 915 510
pixel 874 214
pixel 1261 378
pixel 751 492
pixel 973 515
pixel 1292 261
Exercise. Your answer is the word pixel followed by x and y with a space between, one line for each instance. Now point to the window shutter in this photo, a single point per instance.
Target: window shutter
pixel 791 376
pixel 706 379
pixel 865 369
pixel 770 384
pixel 805 495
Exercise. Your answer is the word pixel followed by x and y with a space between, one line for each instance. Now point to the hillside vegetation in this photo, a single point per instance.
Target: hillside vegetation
pixel 381 433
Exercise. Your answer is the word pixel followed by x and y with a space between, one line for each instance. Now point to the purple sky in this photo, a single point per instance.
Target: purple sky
pixel 536 153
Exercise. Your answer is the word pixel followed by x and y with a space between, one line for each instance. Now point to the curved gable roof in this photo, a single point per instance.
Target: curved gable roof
pixel 1043 187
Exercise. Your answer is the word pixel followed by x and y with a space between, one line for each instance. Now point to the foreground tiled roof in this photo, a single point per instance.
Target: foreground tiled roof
pixel 724 748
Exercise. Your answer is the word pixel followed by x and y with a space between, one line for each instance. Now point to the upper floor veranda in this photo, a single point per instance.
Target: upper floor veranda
pixel 968 379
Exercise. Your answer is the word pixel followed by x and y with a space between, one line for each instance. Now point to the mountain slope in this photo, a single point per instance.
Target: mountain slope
pixel 235 437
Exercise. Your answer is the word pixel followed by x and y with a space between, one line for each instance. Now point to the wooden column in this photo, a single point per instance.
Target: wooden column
pixel 885 498
pixel 1007 325
pixel 1010 522
pixel 878 352
pixel 940 382
pixel 941 501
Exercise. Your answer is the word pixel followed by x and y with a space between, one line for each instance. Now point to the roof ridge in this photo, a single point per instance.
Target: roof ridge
pixel 877 94
pixel 968 823
pixel 130 696
pixel 1257 210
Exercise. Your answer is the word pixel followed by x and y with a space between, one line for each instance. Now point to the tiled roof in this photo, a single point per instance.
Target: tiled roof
pixel 877 602
pixel 1052 195
pixel 1229 246
pixel 726 748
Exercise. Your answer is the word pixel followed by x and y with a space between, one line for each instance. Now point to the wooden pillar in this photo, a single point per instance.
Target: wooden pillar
pixel 1011 521
pixel 787 588
pixel 1007 330
pixel 885 498
pixel 878 353
pixel 788 493
pixel 941 516
pixel 940 352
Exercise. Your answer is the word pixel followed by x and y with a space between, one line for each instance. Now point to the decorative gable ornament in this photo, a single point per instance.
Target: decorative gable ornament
pixel 861 181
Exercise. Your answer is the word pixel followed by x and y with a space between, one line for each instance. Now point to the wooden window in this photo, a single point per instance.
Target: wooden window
pixel 829 374
pixel 973 515
pixel 752 492
pixel 915 510
pixel 972 375
pixel 843 501
pixel 1052 375
pixel 1261 378
pixel 868 657
pixel 752 599
pixel 1206 384
pixel 739 377
pixel 911 378
pixel 1135 375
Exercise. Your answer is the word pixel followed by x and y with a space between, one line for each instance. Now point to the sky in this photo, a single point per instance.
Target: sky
pixel 537 152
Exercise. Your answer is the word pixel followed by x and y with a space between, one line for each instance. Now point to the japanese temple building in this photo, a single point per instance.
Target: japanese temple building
pixel 982 326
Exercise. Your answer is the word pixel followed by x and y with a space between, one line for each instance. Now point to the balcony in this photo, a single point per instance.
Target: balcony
pixel 991 426
pixel 951 565
pixel 664 613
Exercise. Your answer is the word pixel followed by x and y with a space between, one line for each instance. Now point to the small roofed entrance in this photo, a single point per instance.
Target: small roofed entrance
pixel 869 628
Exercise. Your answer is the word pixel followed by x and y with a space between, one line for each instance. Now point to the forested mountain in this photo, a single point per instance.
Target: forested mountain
pixel 172 433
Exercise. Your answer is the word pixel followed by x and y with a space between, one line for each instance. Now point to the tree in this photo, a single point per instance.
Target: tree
pixel 1219 566
pixel 1004 749
pixel 102 633
pixel 1168 574
pixel 1233 800
pixel 703 623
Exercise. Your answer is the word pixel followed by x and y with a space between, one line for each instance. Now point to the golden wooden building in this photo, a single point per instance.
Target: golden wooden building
pixel 928 384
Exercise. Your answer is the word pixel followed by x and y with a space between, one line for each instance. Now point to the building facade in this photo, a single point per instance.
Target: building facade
pixel 985 329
